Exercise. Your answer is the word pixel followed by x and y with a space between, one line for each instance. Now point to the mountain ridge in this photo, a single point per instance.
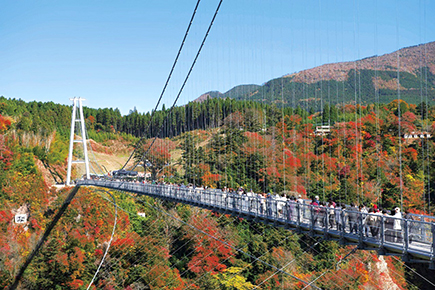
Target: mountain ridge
pixel 385 62
pixel 372 79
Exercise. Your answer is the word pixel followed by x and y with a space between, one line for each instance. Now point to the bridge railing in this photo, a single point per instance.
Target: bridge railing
pixel 377 230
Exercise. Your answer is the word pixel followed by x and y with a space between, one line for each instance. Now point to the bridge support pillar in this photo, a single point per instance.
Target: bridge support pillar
pixel 77 104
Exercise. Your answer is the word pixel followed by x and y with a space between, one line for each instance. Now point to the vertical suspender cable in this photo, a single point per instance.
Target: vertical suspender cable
pixel 304 120
pixel 166 84
pixel 360 175
pixel 427 108
pixel 377 101
pixel 423 142
pixel 184 83
pixel 356 107
pixel 344 127
pixel 295 185
pixel 399 113
pixel 294 133
pixel 338 108
pixel 322 106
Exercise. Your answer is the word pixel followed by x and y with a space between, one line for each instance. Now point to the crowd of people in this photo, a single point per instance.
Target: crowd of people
pixel 371 221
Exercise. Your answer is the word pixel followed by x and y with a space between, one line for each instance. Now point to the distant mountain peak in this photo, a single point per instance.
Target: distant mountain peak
pixel 205 96
pixel 410 60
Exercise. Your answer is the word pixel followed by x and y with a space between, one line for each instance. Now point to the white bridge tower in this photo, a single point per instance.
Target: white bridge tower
pixel 77 104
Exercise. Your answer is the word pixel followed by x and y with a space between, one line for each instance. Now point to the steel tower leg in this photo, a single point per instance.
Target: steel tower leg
pixel 77 102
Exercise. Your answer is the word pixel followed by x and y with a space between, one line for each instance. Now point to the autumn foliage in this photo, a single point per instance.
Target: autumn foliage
pixel 363 158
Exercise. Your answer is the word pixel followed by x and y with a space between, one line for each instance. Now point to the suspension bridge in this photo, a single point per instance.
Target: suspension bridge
pixel 416 243
pixel 413 240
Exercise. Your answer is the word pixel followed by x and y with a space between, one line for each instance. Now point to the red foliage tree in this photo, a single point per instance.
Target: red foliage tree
pixel 210 253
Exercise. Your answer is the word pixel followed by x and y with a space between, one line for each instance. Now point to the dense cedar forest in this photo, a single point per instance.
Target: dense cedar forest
pixel 216 143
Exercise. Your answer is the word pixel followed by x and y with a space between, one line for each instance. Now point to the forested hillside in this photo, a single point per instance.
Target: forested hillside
pixel 239 143
pixel 223 142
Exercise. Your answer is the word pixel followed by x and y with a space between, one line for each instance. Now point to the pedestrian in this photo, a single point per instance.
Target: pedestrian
pixel 388 226
pixel 291 208
pixel 269 204
pixel 365 228
pixel 372 222
pixel 315 209
pixel 338 216
pixel 322 214
pixel 352 214
pixel 397 226
pixel 331 206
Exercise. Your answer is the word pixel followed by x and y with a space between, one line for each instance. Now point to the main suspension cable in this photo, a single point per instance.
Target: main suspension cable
pixel 184 83
pixel 166 84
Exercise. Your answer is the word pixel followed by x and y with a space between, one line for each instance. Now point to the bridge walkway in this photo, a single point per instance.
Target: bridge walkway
pixel 414 242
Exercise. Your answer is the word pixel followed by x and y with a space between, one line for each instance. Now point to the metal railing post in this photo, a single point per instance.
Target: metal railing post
pixel 433 242
pixel 406 236
pixel 422 231
pixel 298 208
pixel 312 219
pixel 382 233
pixel 360 229
pixel 343 226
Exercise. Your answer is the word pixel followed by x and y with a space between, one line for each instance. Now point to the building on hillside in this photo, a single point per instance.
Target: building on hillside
pixel 322 130
pixel 417 135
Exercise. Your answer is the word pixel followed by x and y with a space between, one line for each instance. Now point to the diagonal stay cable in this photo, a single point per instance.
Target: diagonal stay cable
pixel 227 244
pixel 288 264
pixel 358 259
pixel 167 82
pixel 116 259
pixel 415 272
pixel 231 256
pixel 173 252
pixel 329 270
pixel 310 247
pixel 126 211
pixel 183 85
pixel 205 258
pixel 248 264
pixel 113 260
pixel 303 241
pixel 173 266
pixel 110 241
pixel 138 259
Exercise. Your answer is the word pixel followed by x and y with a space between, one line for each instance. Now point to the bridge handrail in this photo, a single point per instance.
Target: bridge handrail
pixel 376 229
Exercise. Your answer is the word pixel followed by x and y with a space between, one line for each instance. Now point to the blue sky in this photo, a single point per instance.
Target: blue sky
pixel 119 53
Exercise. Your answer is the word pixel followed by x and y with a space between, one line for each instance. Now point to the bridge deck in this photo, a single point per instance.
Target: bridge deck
pixel 414 242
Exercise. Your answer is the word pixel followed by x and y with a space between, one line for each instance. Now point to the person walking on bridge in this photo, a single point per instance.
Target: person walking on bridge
pixel 388 226
pixel 269 204
pixel 373 223
pixel 316 209
pixel 331 206
pixel 352 214
pixel 397 226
